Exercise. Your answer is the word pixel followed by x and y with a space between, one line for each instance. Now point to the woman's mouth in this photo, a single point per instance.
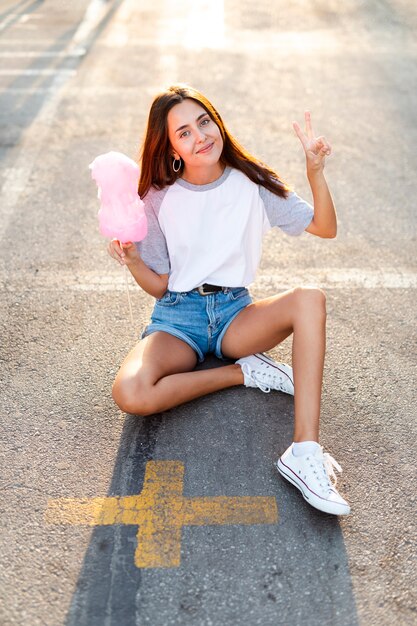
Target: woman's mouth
pixel 206 149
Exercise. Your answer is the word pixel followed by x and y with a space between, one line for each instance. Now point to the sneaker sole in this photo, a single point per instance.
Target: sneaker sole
pixel 333 508
pixel 271 362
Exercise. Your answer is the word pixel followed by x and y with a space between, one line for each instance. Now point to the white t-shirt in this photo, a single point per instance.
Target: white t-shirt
pixel 213 233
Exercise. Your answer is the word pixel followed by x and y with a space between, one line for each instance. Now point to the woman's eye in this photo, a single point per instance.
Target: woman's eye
pixel 204 122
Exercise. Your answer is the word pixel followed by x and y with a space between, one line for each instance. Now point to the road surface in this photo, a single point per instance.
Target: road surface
pixel 77 474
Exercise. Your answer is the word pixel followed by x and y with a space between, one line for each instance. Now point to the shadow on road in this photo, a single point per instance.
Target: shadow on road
pixel 292 572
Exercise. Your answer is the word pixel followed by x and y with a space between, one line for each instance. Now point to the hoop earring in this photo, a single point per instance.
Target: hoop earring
pixel 179 166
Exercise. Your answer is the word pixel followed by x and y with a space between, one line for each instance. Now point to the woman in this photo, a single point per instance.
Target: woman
pixel 208 204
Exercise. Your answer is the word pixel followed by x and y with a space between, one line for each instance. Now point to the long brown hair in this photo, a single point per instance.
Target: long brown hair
pixel 156 153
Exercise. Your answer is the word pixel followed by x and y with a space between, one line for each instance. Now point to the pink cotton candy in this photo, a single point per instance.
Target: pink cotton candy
pixel 121 215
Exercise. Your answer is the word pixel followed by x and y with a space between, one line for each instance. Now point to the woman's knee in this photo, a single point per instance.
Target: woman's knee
pixel 310 301
pixel 131 397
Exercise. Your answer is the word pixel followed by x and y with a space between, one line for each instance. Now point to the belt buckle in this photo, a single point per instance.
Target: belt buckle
pixel 201 291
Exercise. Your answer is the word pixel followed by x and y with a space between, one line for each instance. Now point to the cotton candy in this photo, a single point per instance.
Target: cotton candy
pixel 121 215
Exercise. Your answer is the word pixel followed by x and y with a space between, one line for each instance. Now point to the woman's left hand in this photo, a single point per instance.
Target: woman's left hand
pixel 316 148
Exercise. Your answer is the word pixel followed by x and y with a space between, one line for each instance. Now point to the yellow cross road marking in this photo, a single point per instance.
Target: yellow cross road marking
pixel 161 511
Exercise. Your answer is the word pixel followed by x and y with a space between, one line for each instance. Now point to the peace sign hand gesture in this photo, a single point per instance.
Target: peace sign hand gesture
pixel 315 148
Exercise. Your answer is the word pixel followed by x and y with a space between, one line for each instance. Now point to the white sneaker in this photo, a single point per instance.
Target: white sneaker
pixel 261 371
pixel 312 474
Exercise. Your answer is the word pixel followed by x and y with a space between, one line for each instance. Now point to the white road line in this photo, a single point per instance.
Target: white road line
pixel 41 41
pixel 44 72
pixel 351 278
pixel 182 36
pixel 26 16
pixel 94 91
pixel 342 278
pixel 10 18
pixel 30 90
pixel 99 90
pixel 30 54
pixel 32 143
pixel 25 25
pixel 96 10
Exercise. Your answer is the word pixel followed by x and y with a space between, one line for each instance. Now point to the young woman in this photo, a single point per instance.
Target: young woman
pixel 208 204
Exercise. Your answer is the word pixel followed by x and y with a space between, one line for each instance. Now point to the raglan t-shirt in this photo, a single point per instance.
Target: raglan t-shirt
pixel 213 233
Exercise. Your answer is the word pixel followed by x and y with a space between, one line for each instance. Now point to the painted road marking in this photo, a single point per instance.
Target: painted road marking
pixel 30 54
pixel 346 277
pixel 32 143
pixel 44 72
pixel 327 278
pixel 11 20
pixel 161 511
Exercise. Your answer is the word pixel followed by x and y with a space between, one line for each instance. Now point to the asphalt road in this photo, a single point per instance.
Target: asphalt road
pixel 76 81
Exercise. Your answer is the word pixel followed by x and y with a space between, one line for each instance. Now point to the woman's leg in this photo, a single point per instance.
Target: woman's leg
pixel 264 324
pixel 156 375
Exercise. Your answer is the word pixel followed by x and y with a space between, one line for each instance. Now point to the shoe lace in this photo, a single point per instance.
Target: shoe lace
pixel 325 474
pixel 259 383
pixel 262 379
pixel 329 464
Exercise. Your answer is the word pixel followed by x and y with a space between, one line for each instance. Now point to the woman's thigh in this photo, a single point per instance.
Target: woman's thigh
pixel 264 324
pixel 154 357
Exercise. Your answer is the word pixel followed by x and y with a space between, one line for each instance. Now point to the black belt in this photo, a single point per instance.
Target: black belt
pixel 206 289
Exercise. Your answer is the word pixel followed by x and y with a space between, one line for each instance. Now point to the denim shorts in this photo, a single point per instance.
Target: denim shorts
pixel 200 321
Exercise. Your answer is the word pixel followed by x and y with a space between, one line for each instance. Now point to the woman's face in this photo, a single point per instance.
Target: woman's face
pixel 195 138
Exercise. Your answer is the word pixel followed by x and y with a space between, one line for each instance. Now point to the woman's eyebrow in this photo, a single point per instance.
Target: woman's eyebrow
pixel 185 125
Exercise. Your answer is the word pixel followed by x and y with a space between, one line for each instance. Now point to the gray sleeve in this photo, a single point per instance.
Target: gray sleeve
pixel 292 214
pixel 153 249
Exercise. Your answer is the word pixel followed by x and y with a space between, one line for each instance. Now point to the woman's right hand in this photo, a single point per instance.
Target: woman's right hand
pixel 124 253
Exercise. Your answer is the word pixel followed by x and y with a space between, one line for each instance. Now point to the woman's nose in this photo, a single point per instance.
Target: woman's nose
pixel 201 136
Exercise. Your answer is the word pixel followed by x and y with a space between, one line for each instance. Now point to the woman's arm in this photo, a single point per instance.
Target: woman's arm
pixel 324 222
pixel 127 254
pixel 154 284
